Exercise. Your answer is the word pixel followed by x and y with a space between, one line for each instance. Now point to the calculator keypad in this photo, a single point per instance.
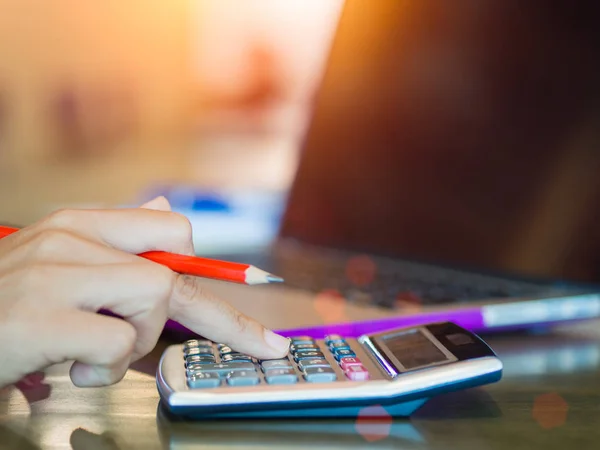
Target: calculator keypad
pixel 210 365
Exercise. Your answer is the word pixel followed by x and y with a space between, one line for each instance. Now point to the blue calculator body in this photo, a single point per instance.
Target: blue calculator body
pixel 397 371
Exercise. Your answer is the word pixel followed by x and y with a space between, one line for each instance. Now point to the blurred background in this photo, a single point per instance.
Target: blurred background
pixel 106 103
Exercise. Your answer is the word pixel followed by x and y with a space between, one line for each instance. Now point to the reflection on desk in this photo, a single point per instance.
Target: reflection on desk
pixel 547 398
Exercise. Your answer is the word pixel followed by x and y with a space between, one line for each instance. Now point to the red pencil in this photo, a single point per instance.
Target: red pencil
pixel 200 267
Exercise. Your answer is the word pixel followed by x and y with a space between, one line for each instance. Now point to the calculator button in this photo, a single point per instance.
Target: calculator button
pixel 347 362
pixel 319 374
pixel 199 359
pixel 304 348
pixel 197 343
pixel 281 376
pixel 339 346
pixel 339 354
pixel 224 368
pixel 203 380
pixel 329 339
pixel 238 355
pixel 226 350
pixel 316 362
pixel 357 373
pixel 308 355
pixel 242 378
pixel 233 358
pixel 276 364
pixel 200 351
pixel 302 340
pixel 198 365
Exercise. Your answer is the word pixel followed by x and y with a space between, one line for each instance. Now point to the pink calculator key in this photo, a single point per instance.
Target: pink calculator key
pixel 347 362
pixel 357 373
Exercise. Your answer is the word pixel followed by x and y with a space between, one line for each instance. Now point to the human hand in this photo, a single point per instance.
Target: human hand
pixel 58 273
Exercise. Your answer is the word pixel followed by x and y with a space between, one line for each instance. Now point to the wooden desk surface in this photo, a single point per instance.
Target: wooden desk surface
pixel 549 397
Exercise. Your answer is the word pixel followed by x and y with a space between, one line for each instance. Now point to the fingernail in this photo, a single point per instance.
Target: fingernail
pixel 277 342
pixel 159 203
pixel 86 376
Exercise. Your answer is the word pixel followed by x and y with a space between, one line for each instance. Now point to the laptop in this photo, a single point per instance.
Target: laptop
pixel 449 171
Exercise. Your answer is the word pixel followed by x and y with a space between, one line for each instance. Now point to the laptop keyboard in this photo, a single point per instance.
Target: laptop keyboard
pixel 393 283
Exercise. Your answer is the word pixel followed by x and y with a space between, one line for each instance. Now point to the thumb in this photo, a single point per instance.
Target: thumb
pixel 160 203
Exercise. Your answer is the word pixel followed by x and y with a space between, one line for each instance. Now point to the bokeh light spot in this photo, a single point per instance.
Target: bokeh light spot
pixel 408 302
pixel 360 270
pixel 330 306
pixel 550 410
pixel 373 423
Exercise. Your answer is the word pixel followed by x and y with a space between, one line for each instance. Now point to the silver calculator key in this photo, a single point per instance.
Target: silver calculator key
pixel 302 340
pixel 295 348
pixel 236 358
pixel 200 351
pixel 197 343
pixel 242 378
pixel 224 368
pixel 319 374
pixel 315 362
pixel 201 380
pixel 276 364
pixel 281 376
pixel 197 366
pixel 308 355
pixel 197 359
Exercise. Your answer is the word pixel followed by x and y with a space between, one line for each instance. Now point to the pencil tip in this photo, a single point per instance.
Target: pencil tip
pixel 274 279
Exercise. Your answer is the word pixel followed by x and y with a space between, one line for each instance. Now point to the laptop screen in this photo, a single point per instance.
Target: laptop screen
pixel 464 133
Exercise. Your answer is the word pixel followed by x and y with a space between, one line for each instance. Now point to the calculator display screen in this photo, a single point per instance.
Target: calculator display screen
pixel 413 349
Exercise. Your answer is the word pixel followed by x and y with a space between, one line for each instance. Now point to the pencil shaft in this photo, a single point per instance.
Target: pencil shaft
pixel 197 266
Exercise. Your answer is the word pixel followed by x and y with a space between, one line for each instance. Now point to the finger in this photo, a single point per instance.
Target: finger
pixel 137 292
pixel 100 346
pixel 213 318
pixel 134 230
pixel 59 246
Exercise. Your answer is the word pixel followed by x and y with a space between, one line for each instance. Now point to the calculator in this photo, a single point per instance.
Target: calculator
pixel 398 370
